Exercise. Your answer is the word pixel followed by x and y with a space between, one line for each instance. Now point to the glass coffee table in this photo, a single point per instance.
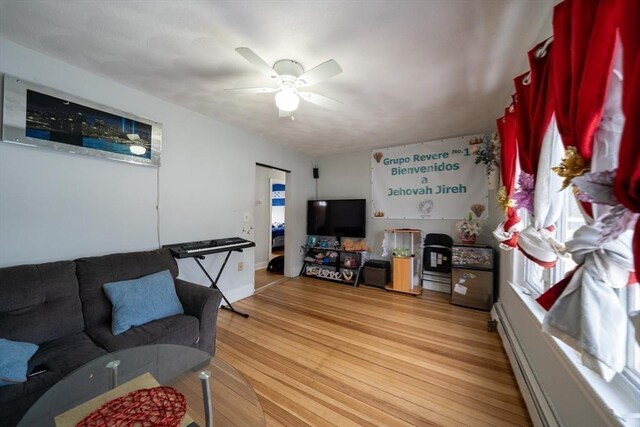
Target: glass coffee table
pixel 204 381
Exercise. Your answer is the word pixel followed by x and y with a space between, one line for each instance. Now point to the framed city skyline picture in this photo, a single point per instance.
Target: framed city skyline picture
pixel 38 116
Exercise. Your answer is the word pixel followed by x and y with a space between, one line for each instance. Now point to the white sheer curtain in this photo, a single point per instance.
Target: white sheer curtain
pixel 537 241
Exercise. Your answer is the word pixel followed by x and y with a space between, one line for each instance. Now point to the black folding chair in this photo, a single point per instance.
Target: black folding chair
pixel 436 262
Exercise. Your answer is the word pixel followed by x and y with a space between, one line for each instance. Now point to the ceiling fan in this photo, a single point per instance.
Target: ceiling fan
pixel 290 77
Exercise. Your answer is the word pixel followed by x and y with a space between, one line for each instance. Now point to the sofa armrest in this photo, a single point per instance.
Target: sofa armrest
pixel 203 303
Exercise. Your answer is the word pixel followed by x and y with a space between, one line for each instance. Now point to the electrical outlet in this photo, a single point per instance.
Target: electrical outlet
pixel 240 266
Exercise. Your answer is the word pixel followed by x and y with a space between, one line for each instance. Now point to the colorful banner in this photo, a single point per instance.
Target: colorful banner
pixel 429 180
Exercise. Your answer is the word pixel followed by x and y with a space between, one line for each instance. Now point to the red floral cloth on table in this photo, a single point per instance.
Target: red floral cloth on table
pixel 158 406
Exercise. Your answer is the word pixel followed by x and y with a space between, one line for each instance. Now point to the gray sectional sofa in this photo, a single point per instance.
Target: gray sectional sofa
pixel 61 307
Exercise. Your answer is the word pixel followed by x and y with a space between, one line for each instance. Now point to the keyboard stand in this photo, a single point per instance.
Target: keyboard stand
pixel 214 283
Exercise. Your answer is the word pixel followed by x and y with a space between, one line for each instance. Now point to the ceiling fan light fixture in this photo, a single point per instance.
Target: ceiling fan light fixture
pixel 287 100
pixel 290 76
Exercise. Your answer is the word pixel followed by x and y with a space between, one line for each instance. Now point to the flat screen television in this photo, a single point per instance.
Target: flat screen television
pixel 340 218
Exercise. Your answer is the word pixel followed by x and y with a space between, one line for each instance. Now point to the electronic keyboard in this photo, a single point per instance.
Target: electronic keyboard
pixel 205 247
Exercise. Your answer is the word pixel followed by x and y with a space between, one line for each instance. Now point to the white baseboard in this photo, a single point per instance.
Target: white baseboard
pixel 540 410
pixel 238 293
pixel 260 265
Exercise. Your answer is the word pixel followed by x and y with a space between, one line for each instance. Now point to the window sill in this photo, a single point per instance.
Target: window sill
pixel 619 399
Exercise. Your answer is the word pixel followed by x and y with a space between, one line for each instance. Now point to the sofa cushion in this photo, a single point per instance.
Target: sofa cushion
pixel 43 296
pixel 66 354
pixel 14 357
pixel 94 272
pixel 180 329
pixel 60 357
pixel 139 301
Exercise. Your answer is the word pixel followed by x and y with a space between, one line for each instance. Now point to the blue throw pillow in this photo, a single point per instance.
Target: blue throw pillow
pixel 139 301
pixel 14 357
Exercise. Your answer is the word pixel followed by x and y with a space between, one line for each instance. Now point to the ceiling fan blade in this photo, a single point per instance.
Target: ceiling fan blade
pixel 252 90
pixel 321 100
pixel 284 113
pixel 258 62
pixel 324 71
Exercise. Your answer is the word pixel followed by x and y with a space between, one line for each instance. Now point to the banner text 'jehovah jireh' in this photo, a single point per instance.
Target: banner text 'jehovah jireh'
pixel 428 180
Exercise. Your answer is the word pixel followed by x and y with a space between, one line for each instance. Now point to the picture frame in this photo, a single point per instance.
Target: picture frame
pixel 38 116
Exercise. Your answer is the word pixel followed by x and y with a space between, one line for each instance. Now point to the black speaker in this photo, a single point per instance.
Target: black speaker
pixel 316 173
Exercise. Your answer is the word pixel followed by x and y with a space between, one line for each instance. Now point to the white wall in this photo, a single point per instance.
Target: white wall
pixel 349 176
pixel 262 214
pixel 56 206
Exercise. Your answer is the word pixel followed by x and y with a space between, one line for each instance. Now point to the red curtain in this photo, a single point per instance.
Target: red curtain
pixel 534 106
pixel 522 102
pixel 561 65
pixel 508 166
pixel 584 42
pixel 541 99
pixel 585 36
pixel 627 183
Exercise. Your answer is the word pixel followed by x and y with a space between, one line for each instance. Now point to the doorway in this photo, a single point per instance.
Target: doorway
pixel 277 209
pixel 270 226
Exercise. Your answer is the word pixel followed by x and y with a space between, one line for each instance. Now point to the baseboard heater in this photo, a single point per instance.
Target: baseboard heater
pixel 540 410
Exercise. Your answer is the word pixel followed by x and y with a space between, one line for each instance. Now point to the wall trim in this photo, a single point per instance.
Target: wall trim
pixel 241 292
pixel 540 410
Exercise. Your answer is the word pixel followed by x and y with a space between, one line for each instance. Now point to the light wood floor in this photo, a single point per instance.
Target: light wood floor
pixel 264 278
pixel 319 353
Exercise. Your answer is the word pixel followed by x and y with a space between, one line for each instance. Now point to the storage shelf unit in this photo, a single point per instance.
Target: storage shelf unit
pixel 336 265
pixel 407 261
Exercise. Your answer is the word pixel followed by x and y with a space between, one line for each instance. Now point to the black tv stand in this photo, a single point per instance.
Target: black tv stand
pixel 335 265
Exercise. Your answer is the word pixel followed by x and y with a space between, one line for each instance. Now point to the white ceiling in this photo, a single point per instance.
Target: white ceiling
pixel 413 70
